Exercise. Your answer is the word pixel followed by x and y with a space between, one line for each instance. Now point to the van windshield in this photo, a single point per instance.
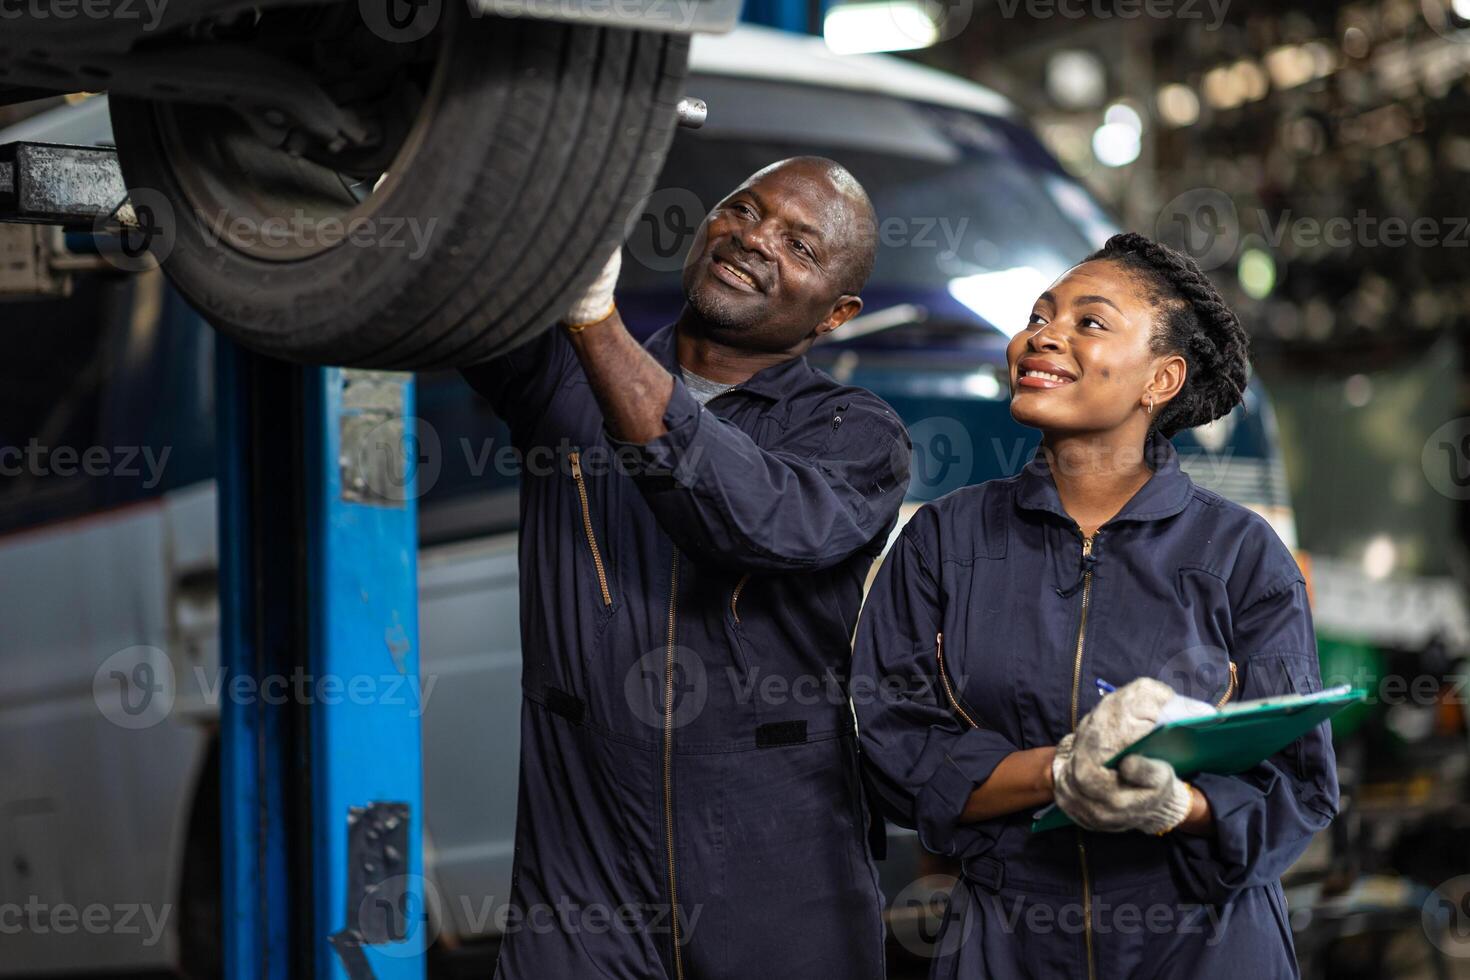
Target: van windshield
pixel 976 218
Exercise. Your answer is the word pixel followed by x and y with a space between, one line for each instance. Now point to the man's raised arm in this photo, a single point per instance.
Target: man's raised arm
pixel 721 497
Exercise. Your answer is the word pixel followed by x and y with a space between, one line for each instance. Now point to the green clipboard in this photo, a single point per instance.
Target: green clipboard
pixel 1232 740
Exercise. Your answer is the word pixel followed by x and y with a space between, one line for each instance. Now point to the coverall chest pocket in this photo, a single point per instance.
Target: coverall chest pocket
pixel 592 520
pixel 1192 648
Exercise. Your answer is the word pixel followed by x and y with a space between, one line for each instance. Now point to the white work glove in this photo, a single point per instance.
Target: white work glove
pixel 1137 795
pixel 596 302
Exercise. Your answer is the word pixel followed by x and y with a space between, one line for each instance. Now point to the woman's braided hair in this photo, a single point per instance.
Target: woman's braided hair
pixel 1197 325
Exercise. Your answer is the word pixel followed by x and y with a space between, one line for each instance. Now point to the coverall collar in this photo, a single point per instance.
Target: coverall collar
pixel 1164 495
pixel 774 382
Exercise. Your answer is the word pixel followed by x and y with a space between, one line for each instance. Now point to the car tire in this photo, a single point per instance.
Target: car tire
pixel 533 143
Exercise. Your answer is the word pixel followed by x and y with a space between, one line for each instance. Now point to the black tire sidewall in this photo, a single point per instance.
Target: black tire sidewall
pixel 493 134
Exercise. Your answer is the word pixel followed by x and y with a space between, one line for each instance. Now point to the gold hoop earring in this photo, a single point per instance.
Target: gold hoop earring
pixel 1150 403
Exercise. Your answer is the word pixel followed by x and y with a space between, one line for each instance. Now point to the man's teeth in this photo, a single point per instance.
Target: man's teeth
pixel 1046 375
pixel 737 272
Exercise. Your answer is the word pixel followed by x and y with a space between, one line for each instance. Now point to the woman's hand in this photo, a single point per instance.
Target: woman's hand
pixel 1122 718
pixel 1141 794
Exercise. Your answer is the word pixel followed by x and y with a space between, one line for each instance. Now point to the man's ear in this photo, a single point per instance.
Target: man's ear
pixel 846 307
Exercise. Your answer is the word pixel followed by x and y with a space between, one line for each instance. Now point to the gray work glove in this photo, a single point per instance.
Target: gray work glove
pixel 1121 718
pixel 1141 794
pixel 1099 798
pixel 596 302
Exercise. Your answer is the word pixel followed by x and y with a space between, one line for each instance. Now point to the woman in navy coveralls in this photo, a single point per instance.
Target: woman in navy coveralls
pixel 1000 607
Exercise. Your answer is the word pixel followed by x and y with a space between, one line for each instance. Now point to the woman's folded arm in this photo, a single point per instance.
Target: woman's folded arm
pixel 925 758
pixel 1264 818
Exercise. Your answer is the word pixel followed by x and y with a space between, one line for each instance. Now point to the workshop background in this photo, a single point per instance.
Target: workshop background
pixel 1313 157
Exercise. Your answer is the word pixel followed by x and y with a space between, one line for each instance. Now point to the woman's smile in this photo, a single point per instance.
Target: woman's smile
pixel 1042 374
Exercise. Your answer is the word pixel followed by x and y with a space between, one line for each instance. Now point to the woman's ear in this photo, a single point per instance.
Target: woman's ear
pixel 1167 380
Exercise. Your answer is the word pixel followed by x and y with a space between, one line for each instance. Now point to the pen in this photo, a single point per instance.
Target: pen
pixel 1103 687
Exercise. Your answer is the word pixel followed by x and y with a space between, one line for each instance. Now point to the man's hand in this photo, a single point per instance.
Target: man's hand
pixel 632 388
pixel 596 302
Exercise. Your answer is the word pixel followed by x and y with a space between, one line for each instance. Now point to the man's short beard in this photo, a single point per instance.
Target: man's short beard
pixel 721 314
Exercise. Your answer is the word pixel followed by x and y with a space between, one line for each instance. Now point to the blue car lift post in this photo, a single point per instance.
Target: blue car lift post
pixel 321 801
pixel 322 806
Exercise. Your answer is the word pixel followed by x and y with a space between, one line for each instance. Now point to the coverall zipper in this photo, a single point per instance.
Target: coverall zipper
pixel 735 596
pixel 669 764
pixel 944 679
pixel 1229 688
pixel 576 461
pixel 1076 690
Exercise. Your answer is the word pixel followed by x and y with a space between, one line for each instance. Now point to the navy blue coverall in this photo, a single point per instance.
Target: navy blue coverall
pixel 1181 585
pixel 690 802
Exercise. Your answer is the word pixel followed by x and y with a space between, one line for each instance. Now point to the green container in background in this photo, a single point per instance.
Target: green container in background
pixel 1353 662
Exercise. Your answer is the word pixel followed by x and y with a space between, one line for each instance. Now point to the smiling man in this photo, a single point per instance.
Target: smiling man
pixel 691 572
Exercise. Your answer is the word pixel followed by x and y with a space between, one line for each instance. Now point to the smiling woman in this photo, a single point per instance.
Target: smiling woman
pixel 1144 329
pixel 1145 571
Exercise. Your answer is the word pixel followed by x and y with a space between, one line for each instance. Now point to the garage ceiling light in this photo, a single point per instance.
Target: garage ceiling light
pixel 1178 105
pixel 1124 114
pixel 1076 79
pixel 1115 144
